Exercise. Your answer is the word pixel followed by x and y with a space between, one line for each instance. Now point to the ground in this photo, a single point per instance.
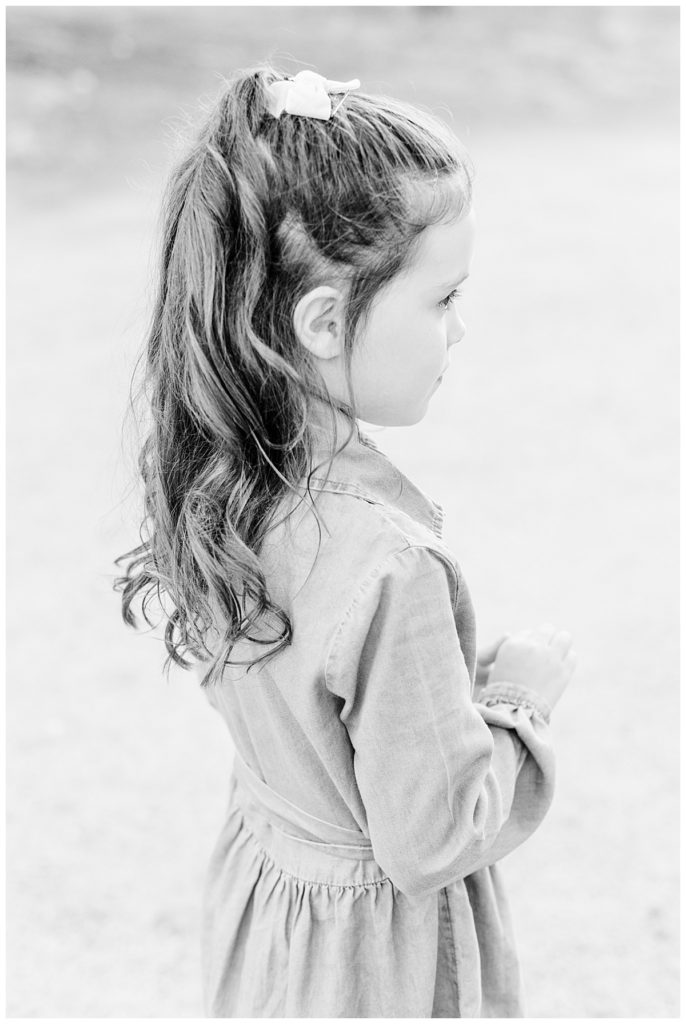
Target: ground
pixel 552 445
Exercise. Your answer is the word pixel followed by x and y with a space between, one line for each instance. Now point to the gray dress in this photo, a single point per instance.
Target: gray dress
pixel 373 790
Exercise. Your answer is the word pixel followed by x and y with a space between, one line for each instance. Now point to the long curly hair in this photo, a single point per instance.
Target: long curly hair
pixel 260 211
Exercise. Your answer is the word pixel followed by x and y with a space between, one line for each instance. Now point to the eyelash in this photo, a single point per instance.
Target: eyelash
pixel 449 299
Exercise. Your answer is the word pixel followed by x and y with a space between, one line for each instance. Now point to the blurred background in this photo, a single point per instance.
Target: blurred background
pixel 552 446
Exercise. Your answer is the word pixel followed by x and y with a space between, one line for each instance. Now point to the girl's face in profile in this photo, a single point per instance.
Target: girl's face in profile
pixel 402 352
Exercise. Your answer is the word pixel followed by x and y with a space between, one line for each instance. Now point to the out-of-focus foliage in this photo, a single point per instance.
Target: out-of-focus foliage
pixel 90 87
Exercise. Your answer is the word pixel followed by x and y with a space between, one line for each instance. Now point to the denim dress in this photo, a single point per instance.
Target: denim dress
pixel 373 789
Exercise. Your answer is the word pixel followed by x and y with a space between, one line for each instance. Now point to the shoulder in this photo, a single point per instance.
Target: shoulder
pixel 407 602
pixel 350 568
pixel 367 540
pixel 406 568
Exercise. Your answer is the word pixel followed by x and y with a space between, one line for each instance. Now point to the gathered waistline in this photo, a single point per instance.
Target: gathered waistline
pixel 303 845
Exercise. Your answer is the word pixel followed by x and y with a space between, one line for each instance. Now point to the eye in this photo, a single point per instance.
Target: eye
pixel 449 299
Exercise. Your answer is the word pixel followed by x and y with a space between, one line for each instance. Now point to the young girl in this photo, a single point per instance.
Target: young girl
pixel 314 241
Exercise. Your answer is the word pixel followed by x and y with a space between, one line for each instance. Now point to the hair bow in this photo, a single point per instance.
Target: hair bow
pixel 307 94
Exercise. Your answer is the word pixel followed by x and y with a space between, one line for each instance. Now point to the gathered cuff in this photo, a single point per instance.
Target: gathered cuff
pixel 514 693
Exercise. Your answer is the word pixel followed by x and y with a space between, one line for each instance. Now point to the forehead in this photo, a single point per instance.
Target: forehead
pixel 445 249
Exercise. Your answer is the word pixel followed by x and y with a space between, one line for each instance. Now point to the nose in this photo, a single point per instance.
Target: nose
pixel 456 328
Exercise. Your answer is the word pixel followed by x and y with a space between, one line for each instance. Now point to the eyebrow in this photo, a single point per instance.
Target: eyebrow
pixel 452 283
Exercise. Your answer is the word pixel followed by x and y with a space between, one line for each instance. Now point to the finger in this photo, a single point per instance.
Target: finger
pixel 481 675
pixel 488 654
pixel 562 642
pixel 546 631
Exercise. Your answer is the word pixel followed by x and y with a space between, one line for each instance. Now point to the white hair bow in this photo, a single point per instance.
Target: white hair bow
pixel 307 94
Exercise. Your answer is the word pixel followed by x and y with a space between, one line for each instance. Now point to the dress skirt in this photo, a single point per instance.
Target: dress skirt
pixel 300 921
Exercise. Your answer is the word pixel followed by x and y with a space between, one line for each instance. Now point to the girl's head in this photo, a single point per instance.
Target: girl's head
pixel 306 264
pixel 401 352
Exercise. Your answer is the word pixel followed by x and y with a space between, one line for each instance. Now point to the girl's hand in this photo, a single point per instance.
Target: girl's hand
pixel 540 659
pixel 484 659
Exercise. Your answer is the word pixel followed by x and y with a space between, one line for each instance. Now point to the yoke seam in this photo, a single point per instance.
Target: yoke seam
pixel 351 490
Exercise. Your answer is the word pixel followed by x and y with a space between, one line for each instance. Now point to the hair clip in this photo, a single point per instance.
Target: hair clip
pixel 308 94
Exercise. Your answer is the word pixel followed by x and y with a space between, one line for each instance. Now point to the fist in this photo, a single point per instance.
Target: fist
pixel 540 659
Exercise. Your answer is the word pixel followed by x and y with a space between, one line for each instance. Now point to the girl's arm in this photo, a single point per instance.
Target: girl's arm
pixel 448 785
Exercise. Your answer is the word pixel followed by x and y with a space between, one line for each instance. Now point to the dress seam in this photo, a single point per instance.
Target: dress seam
pixel 453 958
pixel 369 580
pixel 351 490
pixel 297 878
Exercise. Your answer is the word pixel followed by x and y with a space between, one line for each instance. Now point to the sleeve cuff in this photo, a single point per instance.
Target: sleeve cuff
pixel 511 693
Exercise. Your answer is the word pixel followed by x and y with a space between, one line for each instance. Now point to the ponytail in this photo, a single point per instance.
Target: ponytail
pixel 260 211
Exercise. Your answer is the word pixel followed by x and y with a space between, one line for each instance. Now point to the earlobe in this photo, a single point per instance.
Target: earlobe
pixel 318 319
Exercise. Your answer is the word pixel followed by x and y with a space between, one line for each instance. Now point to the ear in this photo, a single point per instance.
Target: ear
pixel 319 321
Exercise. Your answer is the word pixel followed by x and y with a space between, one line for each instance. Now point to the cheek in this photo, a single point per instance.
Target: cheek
pixel 433 345
pixel 405 348
pixel 416 346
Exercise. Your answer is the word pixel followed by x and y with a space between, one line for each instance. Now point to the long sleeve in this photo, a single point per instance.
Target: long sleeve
pixel 448 785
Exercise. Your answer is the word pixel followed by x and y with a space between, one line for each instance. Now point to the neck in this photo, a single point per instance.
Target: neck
pixel 329 428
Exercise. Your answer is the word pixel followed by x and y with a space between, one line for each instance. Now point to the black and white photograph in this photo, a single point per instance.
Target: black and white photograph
pixel 342 511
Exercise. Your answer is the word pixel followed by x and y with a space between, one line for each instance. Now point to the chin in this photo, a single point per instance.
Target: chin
pixel 410 420
pixel 395 417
